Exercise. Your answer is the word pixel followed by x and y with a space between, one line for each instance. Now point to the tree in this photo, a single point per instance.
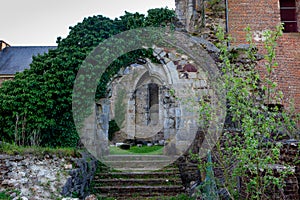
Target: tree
pixel 37 104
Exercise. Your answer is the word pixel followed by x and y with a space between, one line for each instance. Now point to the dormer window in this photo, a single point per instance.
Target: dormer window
pixel 288 13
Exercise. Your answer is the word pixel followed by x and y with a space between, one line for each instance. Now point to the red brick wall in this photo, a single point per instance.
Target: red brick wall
pixel 262 15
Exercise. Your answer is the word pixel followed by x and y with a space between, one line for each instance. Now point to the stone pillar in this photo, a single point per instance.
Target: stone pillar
pixel 102 121
pixel 191 14
pixel 130 116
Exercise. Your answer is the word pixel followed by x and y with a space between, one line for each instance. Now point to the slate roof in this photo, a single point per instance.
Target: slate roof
pixel 17 58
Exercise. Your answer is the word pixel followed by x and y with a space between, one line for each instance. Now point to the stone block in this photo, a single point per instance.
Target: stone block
pixel 162 54
pixel 201 75
pixel 157 51
pixel 185 57
pixel 172 56
pixel 177 112
pixel 172 112
pixel 185 135
pixel 200 84
pixel 171 66
pixel 182 62
pixel 192 75
pixel 182 146
pixel 170 149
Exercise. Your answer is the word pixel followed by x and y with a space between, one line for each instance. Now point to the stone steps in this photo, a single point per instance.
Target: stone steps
pixel 136 196
pixel 163 189
pixel 137 184
pixel 137 162
pixel 135 181
pixel 137 175
pixel 137 165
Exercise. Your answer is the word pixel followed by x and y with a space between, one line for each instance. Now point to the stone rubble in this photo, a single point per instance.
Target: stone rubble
pixel 31 177
pixel 46 177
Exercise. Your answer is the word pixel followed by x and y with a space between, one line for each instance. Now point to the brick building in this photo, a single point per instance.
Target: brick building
pixel 202 17
pixel 262 15
pixel 15 59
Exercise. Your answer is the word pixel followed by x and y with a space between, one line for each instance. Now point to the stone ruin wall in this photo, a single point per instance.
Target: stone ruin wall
pixel 176 74
pixel 46 176
pixel 208 32
pixel 178 70
pixel 200 17
pixel 191 14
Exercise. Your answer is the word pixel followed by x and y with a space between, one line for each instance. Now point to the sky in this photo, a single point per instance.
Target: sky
pixel 40 22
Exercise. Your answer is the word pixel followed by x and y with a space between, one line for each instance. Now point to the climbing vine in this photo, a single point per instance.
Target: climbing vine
pixel 249 149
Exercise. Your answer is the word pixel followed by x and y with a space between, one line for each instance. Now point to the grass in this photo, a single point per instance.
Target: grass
pixel 12 149
pixel 144 150
pixel 4 196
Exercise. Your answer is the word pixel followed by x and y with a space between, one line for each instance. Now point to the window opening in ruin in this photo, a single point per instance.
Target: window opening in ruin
pixel 153 103
pixel 288 13
pixel 147 100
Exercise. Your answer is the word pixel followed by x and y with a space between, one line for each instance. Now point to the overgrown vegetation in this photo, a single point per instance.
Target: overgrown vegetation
pixel 12 149
pixel 36 107
pixel 250 146
pixel 4 196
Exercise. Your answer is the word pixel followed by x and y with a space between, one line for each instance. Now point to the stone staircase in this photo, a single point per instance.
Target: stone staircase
pixel 138 162
pixel 137 178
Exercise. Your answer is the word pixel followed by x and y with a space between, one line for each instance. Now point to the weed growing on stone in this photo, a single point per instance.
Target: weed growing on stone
pixel 4 196
pixel 248 153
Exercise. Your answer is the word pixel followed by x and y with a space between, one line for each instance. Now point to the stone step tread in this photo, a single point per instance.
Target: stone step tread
pixel 133 173
pixel 145 181
pixel 129 167
pixel 138 165
pixel 148 169
pixel 137 179
pixel 135 176
pixel 139 173
pixel 145 170
pixel 136 161
pixel 142 196
pixel 108 168
pixel 143 187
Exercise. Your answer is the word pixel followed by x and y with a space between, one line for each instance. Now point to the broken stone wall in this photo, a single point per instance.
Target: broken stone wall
pixel 200 17
pixel 47 176
pixel 260 18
